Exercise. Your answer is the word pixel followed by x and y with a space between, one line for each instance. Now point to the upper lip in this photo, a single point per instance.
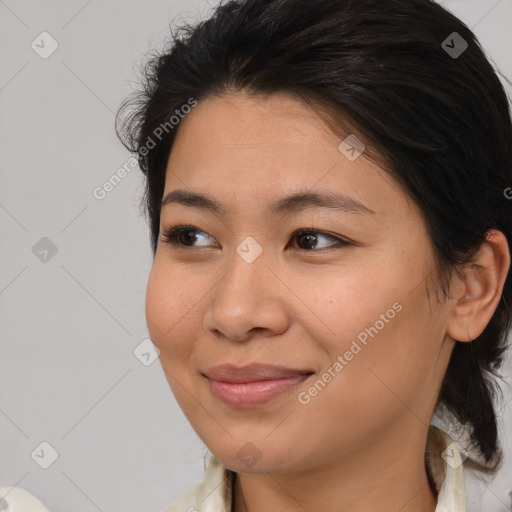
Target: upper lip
pixel 252 372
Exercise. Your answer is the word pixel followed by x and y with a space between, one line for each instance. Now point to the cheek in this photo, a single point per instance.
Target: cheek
pixel 382 358
pixel 172 304
pixel 341 303
pixel 375 319
pixel 172 310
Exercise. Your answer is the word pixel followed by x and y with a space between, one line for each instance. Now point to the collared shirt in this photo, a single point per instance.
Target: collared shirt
pixel 443 462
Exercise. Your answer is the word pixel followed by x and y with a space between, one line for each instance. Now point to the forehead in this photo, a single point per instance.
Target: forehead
pixel 239 147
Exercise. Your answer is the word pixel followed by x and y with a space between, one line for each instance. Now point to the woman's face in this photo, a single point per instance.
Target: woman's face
pixel 346 301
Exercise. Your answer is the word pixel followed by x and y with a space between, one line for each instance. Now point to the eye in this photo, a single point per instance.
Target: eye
pixel 185 236
pixel 307 238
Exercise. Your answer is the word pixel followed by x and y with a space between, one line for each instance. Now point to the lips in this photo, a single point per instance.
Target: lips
pixel 253 384
pixel 252 372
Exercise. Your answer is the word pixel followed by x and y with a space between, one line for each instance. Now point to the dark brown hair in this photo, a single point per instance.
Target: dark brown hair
pixel 440 122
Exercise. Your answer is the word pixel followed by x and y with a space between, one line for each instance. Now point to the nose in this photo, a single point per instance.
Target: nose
pixel 249 300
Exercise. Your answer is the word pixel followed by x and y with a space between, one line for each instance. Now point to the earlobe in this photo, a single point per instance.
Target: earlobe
pixel 479 291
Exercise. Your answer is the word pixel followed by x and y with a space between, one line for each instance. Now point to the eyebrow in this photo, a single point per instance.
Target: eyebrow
pixel 292 203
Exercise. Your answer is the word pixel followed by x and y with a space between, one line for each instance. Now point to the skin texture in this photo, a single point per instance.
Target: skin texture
pixel 359 443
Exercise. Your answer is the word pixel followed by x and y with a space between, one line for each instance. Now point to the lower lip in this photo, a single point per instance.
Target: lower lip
pixel 250 394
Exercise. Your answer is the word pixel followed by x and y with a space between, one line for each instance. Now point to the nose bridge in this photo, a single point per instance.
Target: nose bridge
pixel 245 297
pixel 248 273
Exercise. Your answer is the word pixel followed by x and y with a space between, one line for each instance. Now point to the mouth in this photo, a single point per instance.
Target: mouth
pixel 252 385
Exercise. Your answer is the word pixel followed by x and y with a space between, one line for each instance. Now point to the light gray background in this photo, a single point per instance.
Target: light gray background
pixel 69 326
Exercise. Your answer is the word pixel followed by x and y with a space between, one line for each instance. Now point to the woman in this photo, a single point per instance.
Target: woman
pixel 328 190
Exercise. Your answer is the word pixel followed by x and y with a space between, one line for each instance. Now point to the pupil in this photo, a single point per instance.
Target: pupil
pixel 310 240
pixel 188 236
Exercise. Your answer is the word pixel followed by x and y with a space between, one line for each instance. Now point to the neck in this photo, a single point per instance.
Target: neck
pixel 387 475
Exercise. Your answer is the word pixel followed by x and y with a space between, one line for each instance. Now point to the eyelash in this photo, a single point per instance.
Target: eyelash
pixel 170 237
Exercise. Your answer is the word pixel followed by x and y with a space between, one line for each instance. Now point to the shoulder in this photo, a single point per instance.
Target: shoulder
pixel 16 499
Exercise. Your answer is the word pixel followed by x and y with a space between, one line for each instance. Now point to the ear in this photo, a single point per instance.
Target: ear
pixel 477 294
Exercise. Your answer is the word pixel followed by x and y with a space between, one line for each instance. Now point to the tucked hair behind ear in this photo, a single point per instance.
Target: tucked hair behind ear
pixel 439 123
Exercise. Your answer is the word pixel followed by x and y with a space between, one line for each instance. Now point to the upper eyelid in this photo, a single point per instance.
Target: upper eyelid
pixel 194 228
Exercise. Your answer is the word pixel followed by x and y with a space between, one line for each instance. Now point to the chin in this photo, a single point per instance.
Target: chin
pixel 251 459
